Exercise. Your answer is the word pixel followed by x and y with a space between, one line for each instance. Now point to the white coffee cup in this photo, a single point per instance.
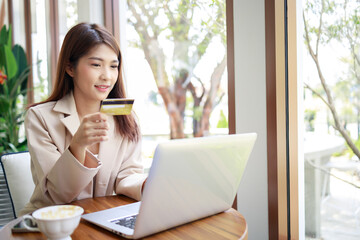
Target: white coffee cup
pixel 56 222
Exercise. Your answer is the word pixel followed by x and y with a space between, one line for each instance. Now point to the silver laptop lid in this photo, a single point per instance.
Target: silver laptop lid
pixel 191 179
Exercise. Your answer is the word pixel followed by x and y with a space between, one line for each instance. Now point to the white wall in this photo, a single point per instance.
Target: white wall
pixel 250 98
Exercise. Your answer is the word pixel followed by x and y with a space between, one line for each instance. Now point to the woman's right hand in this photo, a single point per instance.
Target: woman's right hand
pixel 93 129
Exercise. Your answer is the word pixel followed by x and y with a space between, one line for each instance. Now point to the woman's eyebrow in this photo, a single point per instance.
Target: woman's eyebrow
pixel 100 59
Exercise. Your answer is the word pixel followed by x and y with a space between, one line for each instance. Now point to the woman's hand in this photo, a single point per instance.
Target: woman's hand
pixel 93 129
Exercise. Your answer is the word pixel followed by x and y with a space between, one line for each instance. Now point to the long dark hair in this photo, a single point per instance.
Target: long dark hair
pixel 79 40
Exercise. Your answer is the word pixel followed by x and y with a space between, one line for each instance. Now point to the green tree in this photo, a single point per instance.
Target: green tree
pixel 309 117
pixel 326 22
pixel 191 32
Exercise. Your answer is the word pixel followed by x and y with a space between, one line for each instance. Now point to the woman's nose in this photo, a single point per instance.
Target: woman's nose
pixel 106 74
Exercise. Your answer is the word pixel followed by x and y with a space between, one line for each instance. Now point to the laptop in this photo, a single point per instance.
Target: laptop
pixel 189 179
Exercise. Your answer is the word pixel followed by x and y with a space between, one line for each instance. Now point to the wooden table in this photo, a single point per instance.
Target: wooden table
pixel 227 225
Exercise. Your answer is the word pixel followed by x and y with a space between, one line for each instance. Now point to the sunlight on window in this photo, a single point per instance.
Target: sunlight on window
pixel 331 70
pixel 176 68
pixel 159 54
pixel 68 16
pixel 39 51
pixel 71 13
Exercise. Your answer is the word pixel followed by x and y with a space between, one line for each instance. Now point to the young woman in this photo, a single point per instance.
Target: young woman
pixel 76 151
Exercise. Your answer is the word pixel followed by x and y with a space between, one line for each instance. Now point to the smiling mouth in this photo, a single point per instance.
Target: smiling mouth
pixel 102 86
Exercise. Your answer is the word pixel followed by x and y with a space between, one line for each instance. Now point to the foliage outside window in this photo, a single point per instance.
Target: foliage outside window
pixel 335 25
pixel 332 113
pixel 176 37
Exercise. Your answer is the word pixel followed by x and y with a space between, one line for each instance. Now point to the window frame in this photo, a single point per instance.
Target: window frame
pixel 282 119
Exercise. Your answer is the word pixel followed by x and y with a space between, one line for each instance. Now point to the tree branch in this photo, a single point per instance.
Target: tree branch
pixel 317 94
pixel 330 103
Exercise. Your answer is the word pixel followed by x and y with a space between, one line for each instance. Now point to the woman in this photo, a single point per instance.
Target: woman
pixel 76 151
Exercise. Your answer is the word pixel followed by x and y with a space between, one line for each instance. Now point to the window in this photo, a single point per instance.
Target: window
pixel 331 119
pixel 43 57
pixel 181 63
pixel 39 51
pixel 176 68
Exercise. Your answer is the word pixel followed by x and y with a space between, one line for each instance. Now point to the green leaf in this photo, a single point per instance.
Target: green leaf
pixel 222 123
pixel 2 57
pixel 22 146
pixel 4 105
pixel 22 63
pixel 9 42
pixel 10 61
pixel 12 147
pixel 19 81
pixel 3 36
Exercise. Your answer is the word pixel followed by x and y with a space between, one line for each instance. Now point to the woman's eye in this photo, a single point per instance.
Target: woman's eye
pixel 95 64
pixel 114 66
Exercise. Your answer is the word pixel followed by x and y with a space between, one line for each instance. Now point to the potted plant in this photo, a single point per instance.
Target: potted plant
pixel 14 72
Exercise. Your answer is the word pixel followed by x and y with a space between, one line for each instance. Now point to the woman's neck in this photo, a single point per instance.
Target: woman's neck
pixel 86 107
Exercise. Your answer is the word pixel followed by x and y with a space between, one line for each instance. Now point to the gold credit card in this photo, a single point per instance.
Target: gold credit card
pixel 117 106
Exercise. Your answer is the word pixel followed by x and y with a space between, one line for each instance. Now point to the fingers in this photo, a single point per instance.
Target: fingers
pixel 89 125
pixel 92 133
pixel 96 117
pixel 93 129
pixel 97 138
pixel 96 120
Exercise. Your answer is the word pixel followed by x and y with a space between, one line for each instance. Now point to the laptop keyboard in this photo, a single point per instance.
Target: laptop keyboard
pixel 128 222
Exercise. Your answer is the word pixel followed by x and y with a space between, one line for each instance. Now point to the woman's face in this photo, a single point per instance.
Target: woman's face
pixel 95 74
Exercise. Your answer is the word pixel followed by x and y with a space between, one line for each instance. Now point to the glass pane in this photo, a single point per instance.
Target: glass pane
pixel 39 50
pixel 175 66
pixel 19 23
pixel 331 77
pixel 72 12
pixel 68 16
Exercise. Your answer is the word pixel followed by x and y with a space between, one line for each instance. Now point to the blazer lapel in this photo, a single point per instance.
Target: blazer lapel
pixel 71 121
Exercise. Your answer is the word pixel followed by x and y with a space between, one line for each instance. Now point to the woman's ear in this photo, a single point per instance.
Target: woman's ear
pixel 70 70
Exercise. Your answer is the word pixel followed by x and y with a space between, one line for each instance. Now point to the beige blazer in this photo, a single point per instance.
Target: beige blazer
pixel 59 178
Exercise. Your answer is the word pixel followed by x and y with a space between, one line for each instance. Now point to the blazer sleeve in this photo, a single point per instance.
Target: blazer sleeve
pixel 56 172
pixel 131 175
